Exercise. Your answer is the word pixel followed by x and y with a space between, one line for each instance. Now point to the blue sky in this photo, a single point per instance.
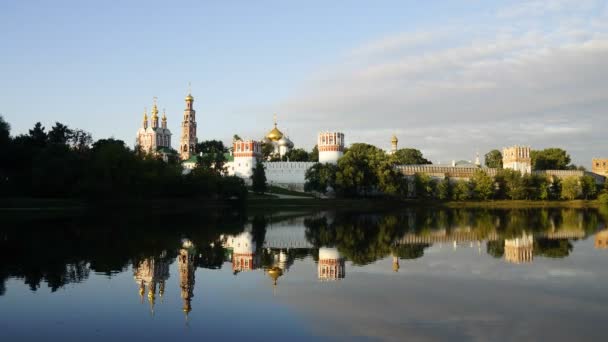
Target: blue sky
pixel 450 78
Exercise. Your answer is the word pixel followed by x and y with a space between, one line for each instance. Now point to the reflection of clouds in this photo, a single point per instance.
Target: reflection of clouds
pixel 565 272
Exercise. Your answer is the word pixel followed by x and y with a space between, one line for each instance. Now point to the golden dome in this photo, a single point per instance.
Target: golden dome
pixel 189 98
pixel 394 139
pixel 274 134
pixel 395 266
pixel 274 273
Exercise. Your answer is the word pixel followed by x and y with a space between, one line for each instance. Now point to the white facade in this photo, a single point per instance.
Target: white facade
pixel 289 175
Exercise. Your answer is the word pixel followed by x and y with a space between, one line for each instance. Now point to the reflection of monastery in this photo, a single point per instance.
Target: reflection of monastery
pixel 286 238
pixel 520 249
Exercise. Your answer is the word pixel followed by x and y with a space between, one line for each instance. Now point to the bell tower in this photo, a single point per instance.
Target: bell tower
pixel 188 139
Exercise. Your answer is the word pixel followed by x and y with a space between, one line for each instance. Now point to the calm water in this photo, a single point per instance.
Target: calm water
pixel 408 275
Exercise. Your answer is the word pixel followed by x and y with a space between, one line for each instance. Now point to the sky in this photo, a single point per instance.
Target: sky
pixel 451 78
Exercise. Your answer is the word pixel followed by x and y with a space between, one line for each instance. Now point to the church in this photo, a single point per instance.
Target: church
pixel 155 139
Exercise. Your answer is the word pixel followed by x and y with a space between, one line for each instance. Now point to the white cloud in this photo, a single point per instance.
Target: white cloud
pixel 480 91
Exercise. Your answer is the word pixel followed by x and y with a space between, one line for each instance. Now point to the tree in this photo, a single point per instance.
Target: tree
pixel 81 140
pixel 588 187
pixel 390 181
pixel 357 169
pixel 493 159
pixel 267 151
pixel 313 156
pixel 320 177
pixel 444 189
pixel 59 134
pixel 425 185
pixel 258 178
pixel 550 159
pixel 212 155
pixel 571 188
pixel 461 191
pixel 510 184
pixel 408 156
pixel 483 185
pixel 296 155
pixel 5 132
pixel 38 136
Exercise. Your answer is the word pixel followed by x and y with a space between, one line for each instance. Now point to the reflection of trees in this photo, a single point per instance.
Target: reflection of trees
pixel 410 251
pixel 65 250
pixel 559 248
pixel 496 248
pixel 360 238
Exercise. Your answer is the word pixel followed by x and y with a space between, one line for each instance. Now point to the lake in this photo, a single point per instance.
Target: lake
pixel 414 274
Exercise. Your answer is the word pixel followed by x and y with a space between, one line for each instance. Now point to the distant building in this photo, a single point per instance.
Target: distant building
pixel 154 138
pixel 331 147
pixel 600 166
pixel 279 141
pixel 188 140
pixel 517 158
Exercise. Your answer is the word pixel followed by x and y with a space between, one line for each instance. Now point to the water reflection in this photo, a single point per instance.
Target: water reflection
pixel 341 262
pixel 67 251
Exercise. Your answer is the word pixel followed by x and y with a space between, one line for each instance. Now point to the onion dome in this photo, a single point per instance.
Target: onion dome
pixel 189 98
pixel 274 134
pixel 274 273
pixel 284 141
pixel 394 139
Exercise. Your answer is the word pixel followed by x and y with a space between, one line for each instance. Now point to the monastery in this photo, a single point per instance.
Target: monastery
pixel 245 153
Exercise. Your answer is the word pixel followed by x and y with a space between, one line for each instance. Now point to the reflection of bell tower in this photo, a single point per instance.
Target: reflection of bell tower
pixel 186 265
pixel 151 273
pixel 331 264
pixel 519 250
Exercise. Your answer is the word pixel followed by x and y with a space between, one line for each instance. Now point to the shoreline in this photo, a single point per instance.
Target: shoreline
pixel 256 204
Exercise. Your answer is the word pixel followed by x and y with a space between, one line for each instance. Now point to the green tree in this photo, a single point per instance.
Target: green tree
pixel 258 178
pixel 408 156
pixel 425 185
pixel 357 170
pixel 296 155
pixel 212 155
pixel 391 181
pixel 320 177
pixel 588 187
pixel 493 159
pixel 550 159
pixel 268 151
pixel 511 184
pixel 314 154
pixel 571 188
pixel 461 191
pixel 444 189
pixel 483 185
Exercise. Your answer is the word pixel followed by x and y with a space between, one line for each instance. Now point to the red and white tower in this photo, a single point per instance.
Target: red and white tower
pixel 331 147
pixel 331 264
pixel 246 154
pixel 188 140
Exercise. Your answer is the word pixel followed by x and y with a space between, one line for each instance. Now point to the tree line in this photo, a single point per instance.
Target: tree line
pixel 67 163
pixel 366 170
